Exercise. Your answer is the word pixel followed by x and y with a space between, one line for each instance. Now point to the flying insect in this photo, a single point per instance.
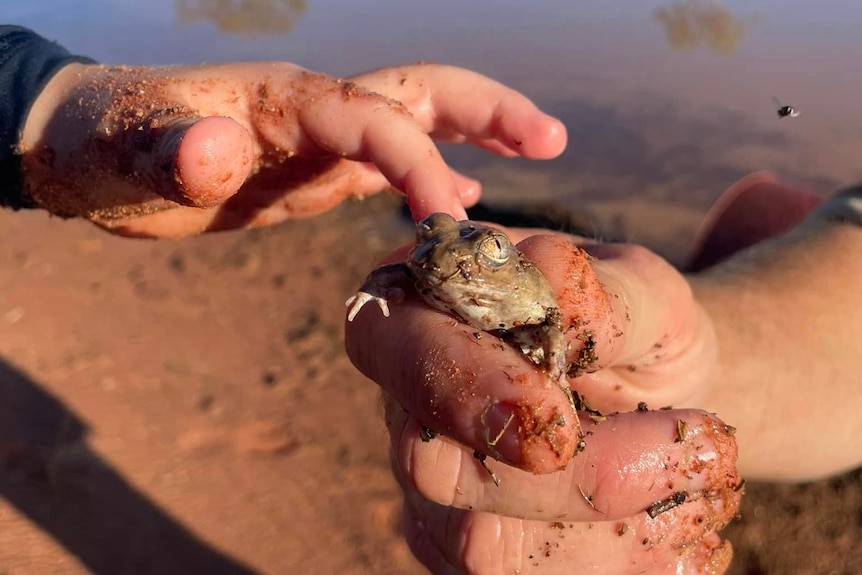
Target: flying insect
pixel 785 111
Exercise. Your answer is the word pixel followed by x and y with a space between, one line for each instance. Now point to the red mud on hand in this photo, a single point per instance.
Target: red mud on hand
pixel 638 500
pixel 588 312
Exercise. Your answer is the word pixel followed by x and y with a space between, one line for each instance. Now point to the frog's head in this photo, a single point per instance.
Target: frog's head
pixel 446 244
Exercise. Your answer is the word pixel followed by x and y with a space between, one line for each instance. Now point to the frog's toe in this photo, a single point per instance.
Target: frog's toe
pixel 355 303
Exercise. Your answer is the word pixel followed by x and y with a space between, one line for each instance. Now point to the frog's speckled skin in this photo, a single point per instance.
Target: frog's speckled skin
pixel 476 274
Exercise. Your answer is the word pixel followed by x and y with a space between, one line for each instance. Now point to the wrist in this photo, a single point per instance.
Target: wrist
pixel 28 64
pixel 48 103
pixel 787 317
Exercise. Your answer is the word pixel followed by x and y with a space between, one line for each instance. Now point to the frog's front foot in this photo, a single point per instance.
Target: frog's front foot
pixel 360 298
pixel 381 287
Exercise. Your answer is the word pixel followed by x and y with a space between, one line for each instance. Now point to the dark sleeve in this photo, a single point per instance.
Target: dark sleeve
pixel 844 207
pixel 27 62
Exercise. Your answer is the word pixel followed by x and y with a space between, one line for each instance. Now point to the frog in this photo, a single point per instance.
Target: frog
pixel 475 273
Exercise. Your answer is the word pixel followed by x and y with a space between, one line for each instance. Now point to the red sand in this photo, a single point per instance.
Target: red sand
pixel 181 407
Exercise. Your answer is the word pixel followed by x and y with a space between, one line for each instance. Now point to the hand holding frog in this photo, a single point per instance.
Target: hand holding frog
pixel 767 338
pixel 632 326
pixel 181 150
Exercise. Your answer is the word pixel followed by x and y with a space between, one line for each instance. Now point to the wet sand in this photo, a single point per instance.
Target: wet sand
pixel 187 406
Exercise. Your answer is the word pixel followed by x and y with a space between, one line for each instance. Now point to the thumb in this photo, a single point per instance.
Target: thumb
pixel 635 331
pixel 198 162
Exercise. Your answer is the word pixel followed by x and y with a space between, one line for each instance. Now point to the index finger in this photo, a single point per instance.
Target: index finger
pixel 455 105
pixel 344 119
pixel 392 126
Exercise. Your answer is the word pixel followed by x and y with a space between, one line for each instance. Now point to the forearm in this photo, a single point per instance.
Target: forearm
pixel 27 63
pixel 788 315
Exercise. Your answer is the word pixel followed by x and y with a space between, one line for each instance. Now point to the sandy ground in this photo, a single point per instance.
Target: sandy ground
pixel 187 407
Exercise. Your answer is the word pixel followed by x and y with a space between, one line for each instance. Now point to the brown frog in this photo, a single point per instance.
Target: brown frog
pixel 475 273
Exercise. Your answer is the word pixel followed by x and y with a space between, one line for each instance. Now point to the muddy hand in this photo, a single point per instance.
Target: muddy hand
pixel 637 337
pixel 181 150
pixel 638 500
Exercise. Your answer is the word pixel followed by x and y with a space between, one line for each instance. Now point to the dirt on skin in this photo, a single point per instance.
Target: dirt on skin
pixel 140 112
pixel 187 407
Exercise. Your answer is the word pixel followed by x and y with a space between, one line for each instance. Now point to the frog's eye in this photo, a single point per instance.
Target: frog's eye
pixel 495 250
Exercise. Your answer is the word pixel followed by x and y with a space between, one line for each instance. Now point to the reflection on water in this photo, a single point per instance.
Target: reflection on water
pixel 694 23
pixel 246 17
pixel 643 172
pixel 653 128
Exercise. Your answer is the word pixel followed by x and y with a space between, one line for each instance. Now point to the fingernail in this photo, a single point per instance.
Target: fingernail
pixel 153 152
pixel 501 425
pixel 458 211
pixel 169 140
pixel 165 158
pixel 708 447
pixel 469 192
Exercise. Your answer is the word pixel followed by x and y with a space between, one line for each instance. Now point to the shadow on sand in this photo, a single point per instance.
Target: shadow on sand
pixel 49 473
